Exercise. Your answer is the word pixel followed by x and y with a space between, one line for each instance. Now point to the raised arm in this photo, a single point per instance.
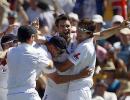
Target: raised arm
pixel 110 31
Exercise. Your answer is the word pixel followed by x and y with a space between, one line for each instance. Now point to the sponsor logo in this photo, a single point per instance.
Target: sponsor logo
pixel 76 56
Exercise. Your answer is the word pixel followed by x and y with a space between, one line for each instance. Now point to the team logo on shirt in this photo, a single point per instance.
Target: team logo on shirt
pixel 76 56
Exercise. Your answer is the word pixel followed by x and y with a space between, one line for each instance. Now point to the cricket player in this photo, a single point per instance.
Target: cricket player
pixel 84 55
pixel 60 91
pixel 25 61
pixel 7 41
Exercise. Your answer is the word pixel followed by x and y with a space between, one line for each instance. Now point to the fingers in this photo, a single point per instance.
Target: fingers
pixel 87 72
pixel 90 71
pixel 125 24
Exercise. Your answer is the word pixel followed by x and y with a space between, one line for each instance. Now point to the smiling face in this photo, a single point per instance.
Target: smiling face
pixel 64 28
pixel 9 44
pixel 53 50
pixel 82 35
pixel 85 29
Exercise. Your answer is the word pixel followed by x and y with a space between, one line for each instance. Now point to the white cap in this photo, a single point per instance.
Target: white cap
pixel 125 31
pixel 74 16
pixel 97 19
pixel 117 18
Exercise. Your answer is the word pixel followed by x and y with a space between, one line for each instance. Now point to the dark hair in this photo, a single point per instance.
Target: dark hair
pixel 25 32
pixel 59 42
pixel 42 5
pixel 87 24
pixel 7 38
pixel 61 17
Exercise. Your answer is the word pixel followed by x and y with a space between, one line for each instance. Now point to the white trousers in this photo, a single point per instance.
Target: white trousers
pixel 82 94
pixel 53 94
pixel 3 94
pixel 24 96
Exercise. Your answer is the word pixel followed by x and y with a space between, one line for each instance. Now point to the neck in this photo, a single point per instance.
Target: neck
pixel 83 40
pixel 30 43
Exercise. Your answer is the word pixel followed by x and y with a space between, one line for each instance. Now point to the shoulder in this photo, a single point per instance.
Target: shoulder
pixel 85 46
pixel 110 94
pixel 10 50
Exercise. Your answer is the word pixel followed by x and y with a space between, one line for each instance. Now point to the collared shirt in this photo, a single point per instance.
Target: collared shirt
pixel 83 56
pixel 23 62
pixel 43 51
pixel 63 88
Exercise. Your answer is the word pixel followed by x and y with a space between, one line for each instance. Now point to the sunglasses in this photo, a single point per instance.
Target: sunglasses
pixel 84 30
pixel 11 42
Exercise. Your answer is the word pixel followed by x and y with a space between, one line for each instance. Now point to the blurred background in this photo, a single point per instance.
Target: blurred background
pixel 112 73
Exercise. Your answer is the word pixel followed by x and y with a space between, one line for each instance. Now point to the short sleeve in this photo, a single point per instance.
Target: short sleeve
pixel 46 64
pixel 77 55
pixel 50 68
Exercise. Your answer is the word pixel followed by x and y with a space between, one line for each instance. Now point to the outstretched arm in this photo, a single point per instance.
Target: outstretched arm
pixel 110 31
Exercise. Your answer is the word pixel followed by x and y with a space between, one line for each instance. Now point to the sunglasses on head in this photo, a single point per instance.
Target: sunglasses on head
pixel 11 42
pixel 84 30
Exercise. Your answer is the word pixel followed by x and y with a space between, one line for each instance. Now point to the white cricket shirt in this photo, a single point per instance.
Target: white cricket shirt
pixel 23 62
pixel 84 55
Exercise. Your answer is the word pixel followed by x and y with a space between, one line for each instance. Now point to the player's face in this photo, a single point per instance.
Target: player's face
pixel 81 35
pixel 9 44
pixel 11 20
pixel 64 28
pixel 54 50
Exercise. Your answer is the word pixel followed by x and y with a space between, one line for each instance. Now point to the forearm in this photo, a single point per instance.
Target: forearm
pixel 107 33
pixel 62 67
pixel 59 79
pixel 24 15
pixel 57 65
pixel 67 78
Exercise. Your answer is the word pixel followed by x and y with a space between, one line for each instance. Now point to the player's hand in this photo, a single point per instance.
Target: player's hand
pixel 50 65
pixel 86 72
pixel 125 24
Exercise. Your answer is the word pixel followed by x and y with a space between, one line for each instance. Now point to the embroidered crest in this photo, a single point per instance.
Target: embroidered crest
pixel 76 56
